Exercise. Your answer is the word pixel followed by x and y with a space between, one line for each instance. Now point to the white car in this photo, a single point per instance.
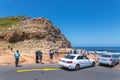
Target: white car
pixel 76 61
pixel 109 58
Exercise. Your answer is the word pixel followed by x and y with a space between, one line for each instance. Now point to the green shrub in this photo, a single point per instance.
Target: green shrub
pixel 8 21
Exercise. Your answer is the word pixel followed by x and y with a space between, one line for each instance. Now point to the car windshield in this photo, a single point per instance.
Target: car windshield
pixel 70 57
pixel 115 56
pixel 108 56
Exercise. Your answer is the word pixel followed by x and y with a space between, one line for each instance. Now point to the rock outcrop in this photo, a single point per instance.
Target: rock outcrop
pixel 37 32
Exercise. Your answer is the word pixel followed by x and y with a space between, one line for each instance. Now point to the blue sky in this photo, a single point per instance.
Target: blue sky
pixel 83 22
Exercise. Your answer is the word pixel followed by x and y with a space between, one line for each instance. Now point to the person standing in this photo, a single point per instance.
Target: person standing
pixel 16 55
pixel 70 52
pixel 11 48
pixel 40 56
pixel 37 56
pixel 84 53
pixel 51 56
pixel 57 53
pixel 75 52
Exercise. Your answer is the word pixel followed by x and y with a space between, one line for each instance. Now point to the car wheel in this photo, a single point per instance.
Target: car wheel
pixel 77 67
pixel 93 64
pixel 113 64
pixel 99 64
pixel 118 61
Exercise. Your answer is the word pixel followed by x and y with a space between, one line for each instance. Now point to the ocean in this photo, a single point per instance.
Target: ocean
pixel 109 49
pixel 101 50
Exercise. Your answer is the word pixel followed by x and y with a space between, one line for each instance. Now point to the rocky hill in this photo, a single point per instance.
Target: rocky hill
pixel 36 32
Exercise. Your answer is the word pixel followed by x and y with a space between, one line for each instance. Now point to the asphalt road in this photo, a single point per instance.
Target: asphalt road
pixel 35 72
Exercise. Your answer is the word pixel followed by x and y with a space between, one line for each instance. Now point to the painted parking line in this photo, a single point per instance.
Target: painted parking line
pixel 38 69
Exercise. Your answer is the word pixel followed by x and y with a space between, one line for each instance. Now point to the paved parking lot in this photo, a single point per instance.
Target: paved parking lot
pixel 53 72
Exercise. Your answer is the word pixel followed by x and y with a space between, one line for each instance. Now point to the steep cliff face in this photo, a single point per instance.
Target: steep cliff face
pixel 37 32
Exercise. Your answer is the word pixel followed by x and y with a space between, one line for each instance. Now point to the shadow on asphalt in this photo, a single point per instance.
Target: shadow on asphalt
pixel 66 69
pixel 19 65
pixel 107 66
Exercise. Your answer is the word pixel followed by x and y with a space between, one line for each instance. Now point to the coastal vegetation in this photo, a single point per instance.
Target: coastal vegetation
pixel 6 22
